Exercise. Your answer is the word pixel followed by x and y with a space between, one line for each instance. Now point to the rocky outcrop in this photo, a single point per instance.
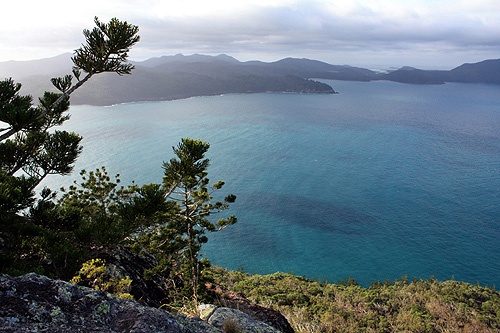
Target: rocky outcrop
pixel 36 303
pixel 231 299
pixel 153 291
pixel 33 302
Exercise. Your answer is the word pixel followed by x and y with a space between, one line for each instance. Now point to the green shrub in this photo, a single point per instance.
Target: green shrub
pixel 398 306
pixel 96 275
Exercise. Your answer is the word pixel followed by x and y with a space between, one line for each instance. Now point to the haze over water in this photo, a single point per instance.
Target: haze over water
pixel 382 180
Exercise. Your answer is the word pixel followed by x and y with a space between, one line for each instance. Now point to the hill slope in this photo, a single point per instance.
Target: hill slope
pixel 48 66
pixel 174 77
pixel 487 71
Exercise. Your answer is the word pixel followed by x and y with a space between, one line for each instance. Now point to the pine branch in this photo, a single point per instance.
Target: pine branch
pixel 98 55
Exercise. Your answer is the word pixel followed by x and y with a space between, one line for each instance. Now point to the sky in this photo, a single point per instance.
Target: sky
pixel 377 34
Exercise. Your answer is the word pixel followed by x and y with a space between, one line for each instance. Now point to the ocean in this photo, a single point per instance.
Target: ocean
pixel 379 181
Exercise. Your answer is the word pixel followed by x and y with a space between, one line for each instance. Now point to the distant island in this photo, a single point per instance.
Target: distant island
pixel 179 76
pixel 486 72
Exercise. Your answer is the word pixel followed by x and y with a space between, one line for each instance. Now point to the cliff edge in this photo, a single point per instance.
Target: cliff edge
pixel 36 303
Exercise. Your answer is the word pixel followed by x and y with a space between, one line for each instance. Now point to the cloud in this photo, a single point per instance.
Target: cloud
pixel 269 29
pixel 311 26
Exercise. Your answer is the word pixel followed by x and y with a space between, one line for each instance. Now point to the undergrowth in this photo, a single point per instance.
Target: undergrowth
pixel 399 306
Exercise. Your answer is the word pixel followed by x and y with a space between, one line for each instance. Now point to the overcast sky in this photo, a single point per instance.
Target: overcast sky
pixel 371 33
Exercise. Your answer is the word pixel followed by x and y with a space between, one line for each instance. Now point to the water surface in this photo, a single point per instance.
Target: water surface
pixel 382 180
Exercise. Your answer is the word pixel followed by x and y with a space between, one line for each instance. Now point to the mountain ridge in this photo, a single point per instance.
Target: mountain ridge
pixel 180 76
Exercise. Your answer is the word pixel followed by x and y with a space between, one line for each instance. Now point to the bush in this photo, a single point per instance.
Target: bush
pixel 419 306
pixel 96 275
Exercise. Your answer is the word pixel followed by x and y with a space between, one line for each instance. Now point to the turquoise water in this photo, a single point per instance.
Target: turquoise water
pixel 382 180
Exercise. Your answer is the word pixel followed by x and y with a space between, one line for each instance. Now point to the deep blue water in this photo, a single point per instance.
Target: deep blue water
pixel 382 180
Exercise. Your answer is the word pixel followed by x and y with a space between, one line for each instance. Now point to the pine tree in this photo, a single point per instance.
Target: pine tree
pixel 186 177
pixel 29 147
pixel 105 49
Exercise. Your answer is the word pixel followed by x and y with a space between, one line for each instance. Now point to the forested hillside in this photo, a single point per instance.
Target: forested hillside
pixel 175 77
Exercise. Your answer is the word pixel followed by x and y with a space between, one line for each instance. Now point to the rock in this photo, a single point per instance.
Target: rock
pixel 231 299
pixel 206 310
pixel 232 320
pixel 155 291
pixel 150 292
pixel 36 303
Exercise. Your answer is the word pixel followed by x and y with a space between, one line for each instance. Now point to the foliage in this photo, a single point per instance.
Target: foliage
pixel 98 200
pixel 46 240
pixel 106 48
pixel 185 305
pixel 36 234
pixel 101 278
pixel 167 220
pixel 186 176
pixel 402 305
pixel 34 152
pixel 54 238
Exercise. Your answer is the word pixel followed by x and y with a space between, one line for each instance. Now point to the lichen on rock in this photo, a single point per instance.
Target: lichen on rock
pixel 206 310
pixel 36 303
pixel 241 322
pixel 33 302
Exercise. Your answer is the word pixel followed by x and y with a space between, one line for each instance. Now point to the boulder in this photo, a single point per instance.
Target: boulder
pixel 36 303
pixel 33 302
pixel 154 291
pixel 231 299
pixel 232 320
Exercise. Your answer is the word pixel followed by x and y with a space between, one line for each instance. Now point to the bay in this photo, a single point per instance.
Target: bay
pixel 379 181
